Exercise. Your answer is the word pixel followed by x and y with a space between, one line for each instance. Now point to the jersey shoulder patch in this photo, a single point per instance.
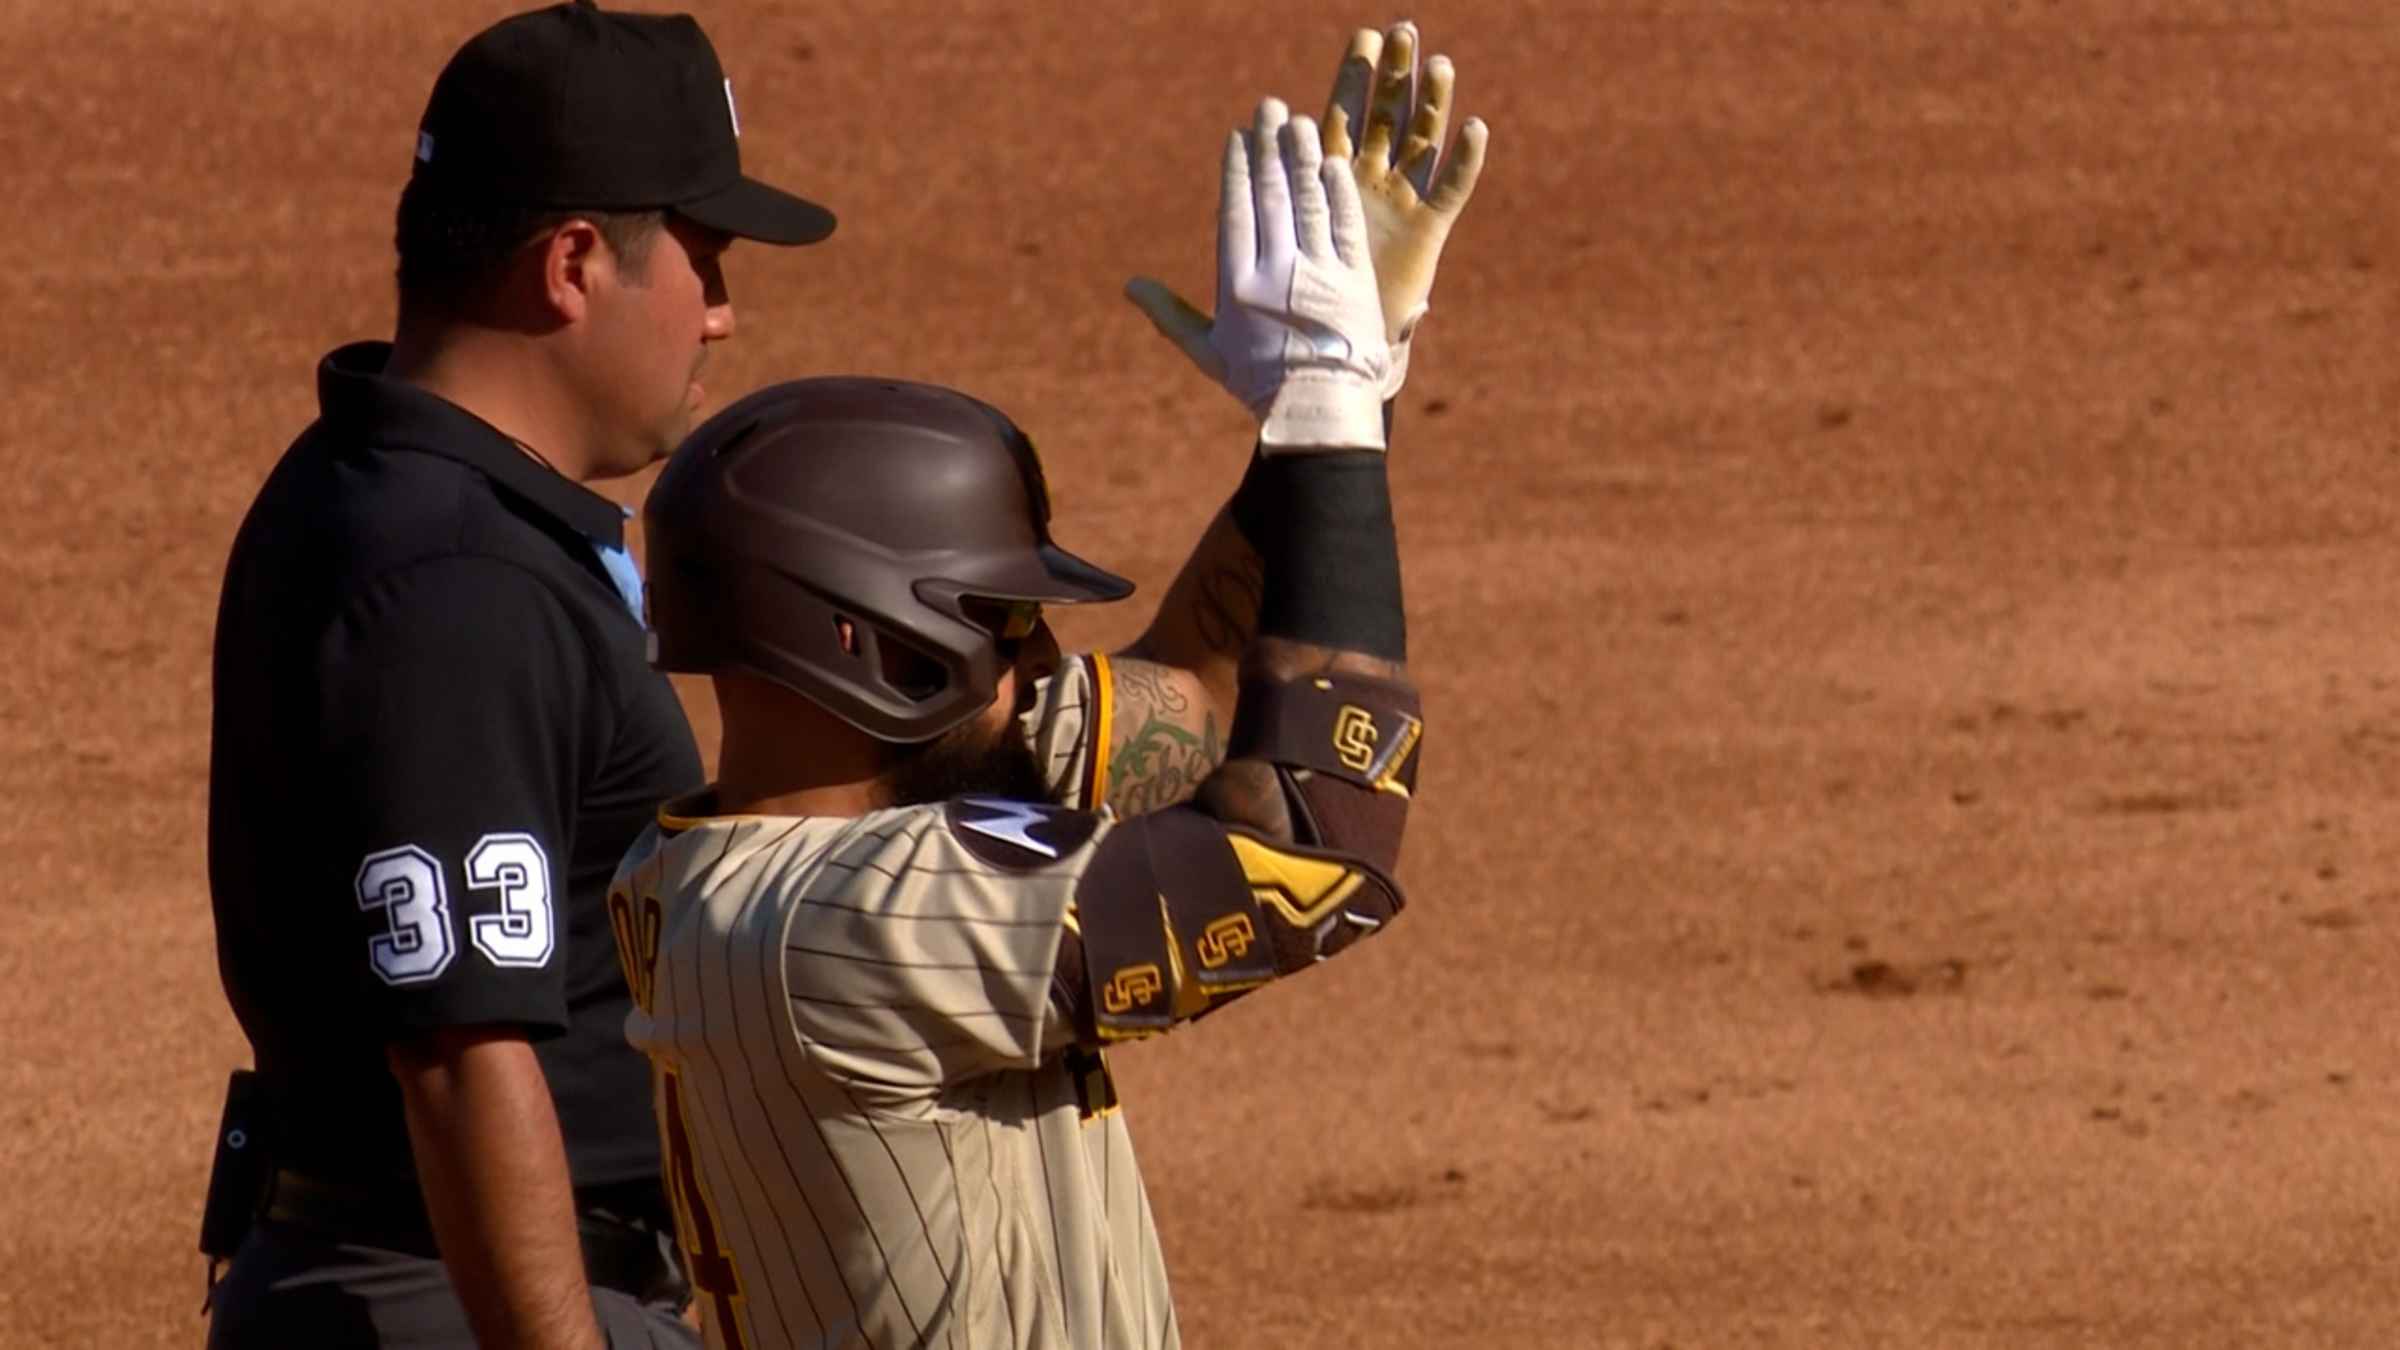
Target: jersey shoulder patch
pixel 1020 836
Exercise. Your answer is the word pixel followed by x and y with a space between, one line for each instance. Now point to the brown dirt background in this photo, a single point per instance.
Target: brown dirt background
pixel 1898 500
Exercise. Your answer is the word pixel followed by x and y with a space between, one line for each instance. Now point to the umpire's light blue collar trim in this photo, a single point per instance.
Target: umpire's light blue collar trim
pixel 355 396
pixel 626 577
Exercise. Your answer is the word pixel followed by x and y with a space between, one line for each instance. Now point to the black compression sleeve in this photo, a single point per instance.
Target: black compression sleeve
pixel 1322 523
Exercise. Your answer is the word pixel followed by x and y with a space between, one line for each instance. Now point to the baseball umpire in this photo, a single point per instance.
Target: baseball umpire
pixel 878 963
pixel 436 730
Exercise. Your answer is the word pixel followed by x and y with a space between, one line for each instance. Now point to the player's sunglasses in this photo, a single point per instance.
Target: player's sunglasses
pixel 1009 622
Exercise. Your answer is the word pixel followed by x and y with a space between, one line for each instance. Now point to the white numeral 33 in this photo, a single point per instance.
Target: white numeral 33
pixel 406 884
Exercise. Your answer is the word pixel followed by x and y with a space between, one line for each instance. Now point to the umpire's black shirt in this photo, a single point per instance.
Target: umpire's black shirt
pixel 436 732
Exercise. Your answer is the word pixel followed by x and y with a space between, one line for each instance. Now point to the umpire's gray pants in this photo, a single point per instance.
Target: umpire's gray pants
pixel 289 1288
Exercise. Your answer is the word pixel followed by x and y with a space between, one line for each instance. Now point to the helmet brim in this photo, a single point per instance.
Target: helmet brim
pixel 1053 576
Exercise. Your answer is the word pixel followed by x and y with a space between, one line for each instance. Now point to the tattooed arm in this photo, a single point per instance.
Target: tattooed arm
pixel 1205 624
pixel 1166 736
pixel 1174 687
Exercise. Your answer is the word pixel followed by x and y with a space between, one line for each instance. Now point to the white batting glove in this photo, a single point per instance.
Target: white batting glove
pixel 1298 335
pixel 1413 192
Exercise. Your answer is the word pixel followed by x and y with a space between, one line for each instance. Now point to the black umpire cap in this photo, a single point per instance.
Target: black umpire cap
pixel 577 109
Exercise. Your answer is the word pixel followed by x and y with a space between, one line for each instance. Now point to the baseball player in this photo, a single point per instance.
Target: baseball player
pixel 878 963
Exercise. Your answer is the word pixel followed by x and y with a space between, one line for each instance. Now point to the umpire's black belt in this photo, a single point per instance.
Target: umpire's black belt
pixel 618 1253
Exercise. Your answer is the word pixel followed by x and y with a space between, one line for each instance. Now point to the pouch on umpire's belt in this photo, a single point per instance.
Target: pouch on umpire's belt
pixel 238 1180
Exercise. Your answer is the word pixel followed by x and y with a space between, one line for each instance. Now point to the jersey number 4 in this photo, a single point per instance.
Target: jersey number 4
pixel 406 884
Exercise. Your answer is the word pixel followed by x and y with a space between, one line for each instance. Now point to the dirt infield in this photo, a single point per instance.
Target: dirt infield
pixel 1899 511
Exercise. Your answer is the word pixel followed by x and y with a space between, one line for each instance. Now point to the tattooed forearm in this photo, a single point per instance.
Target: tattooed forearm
pixel 1209 616
pixel 1168 737
pixel 1225 604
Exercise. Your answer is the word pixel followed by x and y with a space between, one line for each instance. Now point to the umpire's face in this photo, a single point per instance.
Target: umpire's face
pixel 650 327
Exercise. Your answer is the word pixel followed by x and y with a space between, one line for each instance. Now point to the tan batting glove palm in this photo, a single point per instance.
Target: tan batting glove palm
pixel 1411 191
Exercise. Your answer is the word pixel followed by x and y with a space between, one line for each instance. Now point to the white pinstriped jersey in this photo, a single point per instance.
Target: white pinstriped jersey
pixel 877 1132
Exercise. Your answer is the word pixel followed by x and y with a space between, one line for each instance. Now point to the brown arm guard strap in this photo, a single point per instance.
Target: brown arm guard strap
pixel 1362 730
pixel 1178 914
pixel 1346 749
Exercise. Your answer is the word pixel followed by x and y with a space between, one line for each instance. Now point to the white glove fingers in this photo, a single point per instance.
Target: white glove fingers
pixel 1346 107
pixel 1237 225
pixel 1422 151
pixel 1347 214
pixel 1395 94
pixel 1178 322
pixel 1298 337
pixel 1270 186
pixel 1456 182
pixel 1303 165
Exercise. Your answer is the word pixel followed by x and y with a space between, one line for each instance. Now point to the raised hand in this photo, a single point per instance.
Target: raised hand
pixel 1298 334
pixel 1411 190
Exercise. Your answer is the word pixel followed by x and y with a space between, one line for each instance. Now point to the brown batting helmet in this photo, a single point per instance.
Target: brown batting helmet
pixel 868 509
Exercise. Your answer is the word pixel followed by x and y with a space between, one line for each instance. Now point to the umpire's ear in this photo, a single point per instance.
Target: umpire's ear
pixel 565 268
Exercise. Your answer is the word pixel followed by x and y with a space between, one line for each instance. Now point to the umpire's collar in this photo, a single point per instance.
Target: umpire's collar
pixel 356 398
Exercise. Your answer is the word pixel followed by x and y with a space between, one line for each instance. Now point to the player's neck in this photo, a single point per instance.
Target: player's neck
pixel 842 801
pixel 505 379
pixel 784 756
pixel 750 783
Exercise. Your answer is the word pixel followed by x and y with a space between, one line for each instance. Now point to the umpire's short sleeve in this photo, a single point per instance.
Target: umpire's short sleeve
pixel 454 694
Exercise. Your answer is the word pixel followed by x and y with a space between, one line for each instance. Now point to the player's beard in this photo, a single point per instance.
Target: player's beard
pixel 962 762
